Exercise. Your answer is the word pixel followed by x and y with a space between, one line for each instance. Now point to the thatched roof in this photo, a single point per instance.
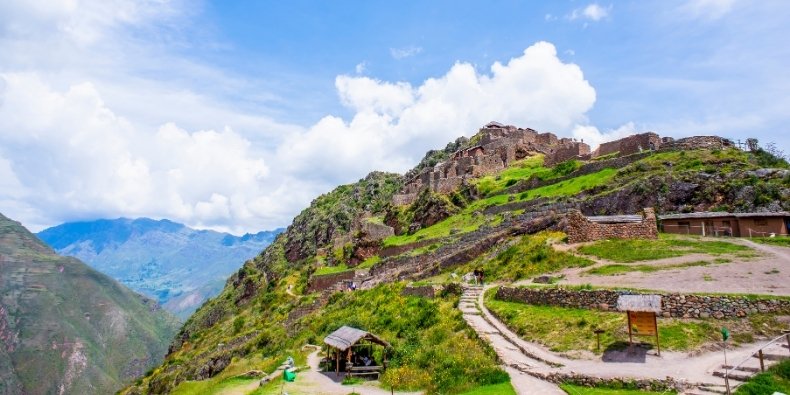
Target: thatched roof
pixel 649 303
pixel 347 336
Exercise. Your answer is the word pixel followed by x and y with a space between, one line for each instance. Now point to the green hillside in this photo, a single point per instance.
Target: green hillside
pixel 67 328
pixel 266 313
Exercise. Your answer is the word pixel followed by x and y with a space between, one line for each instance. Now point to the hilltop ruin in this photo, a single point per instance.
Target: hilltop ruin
pixel 497 146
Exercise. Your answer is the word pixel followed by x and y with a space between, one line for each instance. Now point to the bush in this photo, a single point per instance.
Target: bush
pixel 238 323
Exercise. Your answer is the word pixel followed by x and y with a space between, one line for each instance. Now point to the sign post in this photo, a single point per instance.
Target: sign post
pixel 642 312
pixel 725 334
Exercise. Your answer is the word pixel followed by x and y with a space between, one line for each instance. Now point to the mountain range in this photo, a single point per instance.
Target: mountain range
pixel 179 266
pixel 65 328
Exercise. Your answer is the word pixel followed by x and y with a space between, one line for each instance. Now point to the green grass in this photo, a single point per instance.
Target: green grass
pixel 209 386
pixel 368 263
pixel 666 246
pixel 580 390
pixel 529 256
pixel 776 379
pixel 782 241
pixel 521 170
pixel 463 222
pixel 572 186
pixel 566 329
pixel 323 270
pixel 493 389
pixel 615 269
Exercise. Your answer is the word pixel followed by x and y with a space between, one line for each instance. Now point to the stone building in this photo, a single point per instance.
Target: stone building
pixel 581 229
pixel 727 224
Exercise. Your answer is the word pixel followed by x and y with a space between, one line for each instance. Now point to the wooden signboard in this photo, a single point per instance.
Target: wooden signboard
pixel 642 323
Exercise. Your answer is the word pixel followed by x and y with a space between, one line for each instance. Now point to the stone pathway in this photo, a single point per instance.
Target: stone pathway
pixel 516 363
pixel 524 357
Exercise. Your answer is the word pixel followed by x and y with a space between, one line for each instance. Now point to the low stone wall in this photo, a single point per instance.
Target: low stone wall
pixel 320 283
pixel 655 385
pixel 698 142
pixel 672 305
pixel 580 229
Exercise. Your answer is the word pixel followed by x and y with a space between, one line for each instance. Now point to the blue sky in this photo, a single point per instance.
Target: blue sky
pixel 234 115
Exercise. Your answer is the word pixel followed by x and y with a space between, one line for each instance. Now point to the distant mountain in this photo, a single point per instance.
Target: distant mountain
pixel 179 266
pixel 66 328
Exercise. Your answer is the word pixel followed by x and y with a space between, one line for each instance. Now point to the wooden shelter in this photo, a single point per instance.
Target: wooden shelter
pixel 347 343
pixel 642 311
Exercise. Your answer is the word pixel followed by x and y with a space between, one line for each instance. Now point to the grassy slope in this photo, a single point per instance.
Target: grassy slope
pixel 776 379
pixel 667 246
pixel 684 162
pixel 433 348
pixel 213 323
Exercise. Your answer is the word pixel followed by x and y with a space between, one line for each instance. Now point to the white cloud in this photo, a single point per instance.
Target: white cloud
pixel 74 156
pixel 361 67
pixel 96 121
pixel 394 123
pixel 405 52
pixel 707 9
pixel 592 12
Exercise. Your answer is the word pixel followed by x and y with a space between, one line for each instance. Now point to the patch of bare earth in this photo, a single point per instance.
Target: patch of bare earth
pixel 769 273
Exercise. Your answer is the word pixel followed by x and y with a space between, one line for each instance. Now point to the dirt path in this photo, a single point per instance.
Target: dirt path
pixel 527 357
pixel 767 274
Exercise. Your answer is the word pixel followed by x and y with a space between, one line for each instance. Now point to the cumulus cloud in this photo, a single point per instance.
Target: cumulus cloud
pixel 592 12
pixel 76 157
pixel 394 123
pixel 90 131
pixel 405 52
pixel 707 9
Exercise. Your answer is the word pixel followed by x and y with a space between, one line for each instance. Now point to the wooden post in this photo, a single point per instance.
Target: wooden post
pixel 337 363
pixel 630 337
pixel 762 363
pixel 787 336
pixel 655 328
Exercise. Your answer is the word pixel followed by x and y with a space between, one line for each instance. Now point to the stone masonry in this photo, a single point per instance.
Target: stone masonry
pixel 498 147
pixel 581 229
pixel 673 305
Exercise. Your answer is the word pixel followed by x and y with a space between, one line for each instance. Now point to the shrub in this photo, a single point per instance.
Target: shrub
pixel 238 323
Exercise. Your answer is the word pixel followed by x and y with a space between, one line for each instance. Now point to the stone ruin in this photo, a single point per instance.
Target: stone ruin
pixel 500 145
pixel 582 229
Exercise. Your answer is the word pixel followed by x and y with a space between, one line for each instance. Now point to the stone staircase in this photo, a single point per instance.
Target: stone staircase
pixel 766 356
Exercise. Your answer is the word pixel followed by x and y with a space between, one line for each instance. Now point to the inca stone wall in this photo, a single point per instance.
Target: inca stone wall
pixel 499 146
pixel 320 283
pixel 672 304
pixel 580 229
pixel 698 142
pixel 630 145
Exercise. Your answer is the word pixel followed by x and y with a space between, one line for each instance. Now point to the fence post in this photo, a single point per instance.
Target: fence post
pixel 787 336
pixel 762 363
